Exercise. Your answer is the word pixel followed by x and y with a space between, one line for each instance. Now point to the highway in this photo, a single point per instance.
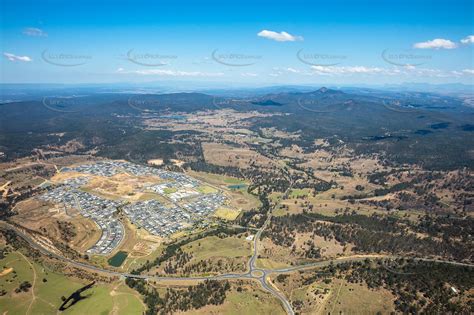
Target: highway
pixel 253 272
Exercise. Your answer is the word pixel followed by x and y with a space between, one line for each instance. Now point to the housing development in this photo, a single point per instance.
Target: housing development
pixel 182 200
pixel 180 158
pixel 98 209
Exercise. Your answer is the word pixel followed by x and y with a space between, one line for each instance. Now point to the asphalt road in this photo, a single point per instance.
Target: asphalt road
pixel 253 270
pixel 253 273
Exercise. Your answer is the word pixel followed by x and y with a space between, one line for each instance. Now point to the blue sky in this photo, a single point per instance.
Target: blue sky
pixel 242 42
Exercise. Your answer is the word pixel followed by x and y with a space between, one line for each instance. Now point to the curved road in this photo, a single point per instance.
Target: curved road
pixel 263 273
pixel 254 273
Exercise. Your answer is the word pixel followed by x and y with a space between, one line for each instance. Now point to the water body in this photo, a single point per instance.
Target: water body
pixel 118 259
pixel 237 186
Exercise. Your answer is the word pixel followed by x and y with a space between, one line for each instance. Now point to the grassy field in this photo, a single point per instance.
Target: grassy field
pixel 233 181
pixel 349 298
pixel 275 196
pixel 227 213
pixel 136 262
pixel 252 301
pixel 213 246
pixel 328 207
pixel 101 194
pixel 170 190
pixel 280 211
pixel 217 179
pixel 204 189
pixel 152 196
pixel 270 264
pixel 299 192
pixel 342 297
pixel 106 300
pixel 44 296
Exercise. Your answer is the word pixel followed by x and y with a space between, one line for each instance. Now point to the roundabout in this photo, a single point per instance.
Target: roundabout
pixel 257 273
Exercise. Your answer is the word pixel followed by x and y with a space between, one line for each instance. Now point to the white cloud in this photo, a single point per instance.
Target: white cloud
pixel 394 71
pixel 437 43
pixel 33 31
pixel 249 74
pixel 293 70
pixel 279 37
pixel 13 57
pixel 172 73
pixel 468 40
pixel 457 73
pixel 348 70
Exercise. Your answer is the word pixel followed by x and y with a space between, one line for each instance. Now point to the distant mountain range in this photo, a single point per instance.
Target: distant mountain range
pixel 15 92
pixel 411 126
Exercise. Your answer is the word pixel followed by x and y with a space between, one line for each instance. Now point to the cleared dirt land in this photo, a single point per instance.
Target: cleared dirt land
pixel 225 155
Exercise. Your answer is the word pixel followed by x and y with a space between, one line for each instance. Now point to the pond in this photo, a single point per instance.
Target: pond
pixel 237 186
pixel 118 259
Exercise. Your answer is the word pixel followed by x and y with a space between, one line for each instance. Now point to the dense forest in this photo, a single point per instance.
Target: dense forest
pixel 110 125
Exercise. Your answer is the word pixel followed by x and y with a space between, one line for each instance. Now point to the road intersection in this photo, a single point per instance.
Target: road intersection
pixel 253 273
